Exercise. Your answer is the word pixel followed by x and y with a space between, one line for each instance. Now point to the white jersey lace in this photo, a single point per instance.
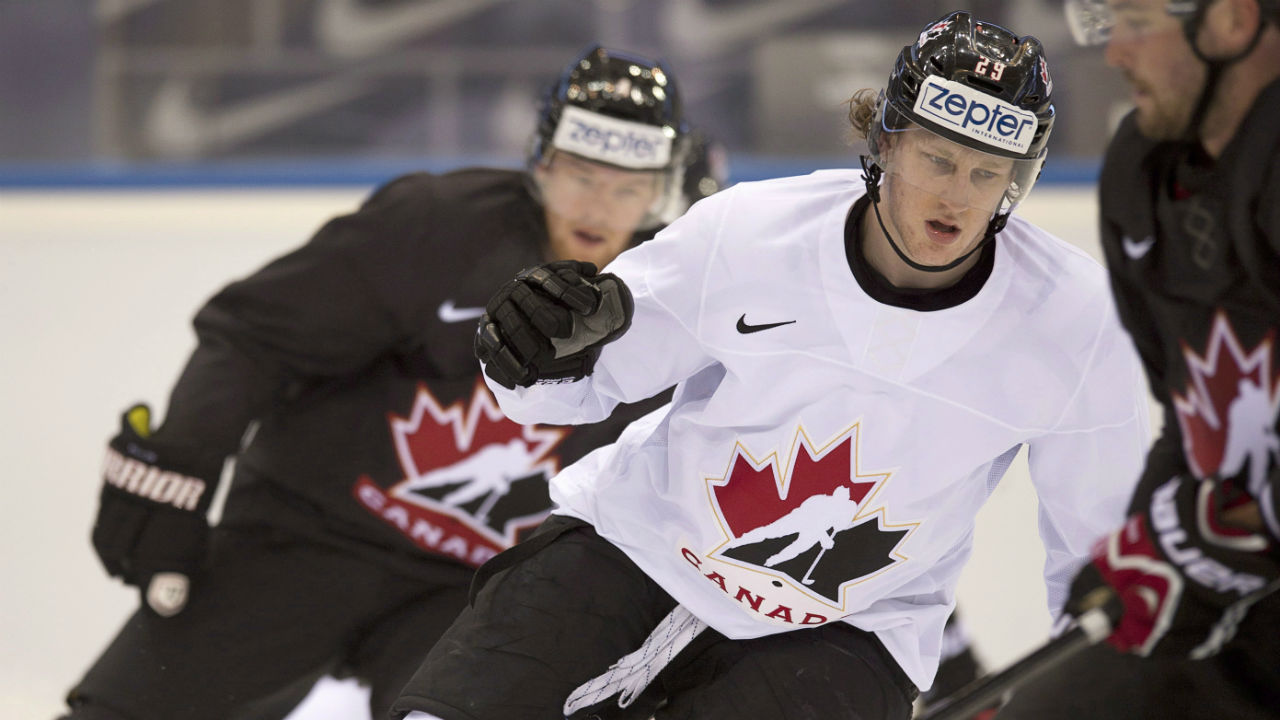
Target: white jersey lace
pixel 629 676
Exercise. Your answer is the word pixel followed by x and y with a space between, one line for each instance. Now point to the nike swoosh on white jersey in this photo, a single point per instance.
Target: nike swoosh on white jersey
pixel 176 126
pixel 1136 249
pixel 349 28
pixel 449 313
pixel 704 31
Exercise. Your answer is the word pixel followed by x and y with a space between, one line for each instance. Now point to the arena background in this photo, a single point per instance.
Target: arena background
pixel 153 150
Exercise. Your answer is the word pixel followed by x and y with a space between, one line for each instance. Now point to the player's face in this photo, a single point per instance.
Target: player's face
pixel 938 198
pixel 592 210
pixel 1148 46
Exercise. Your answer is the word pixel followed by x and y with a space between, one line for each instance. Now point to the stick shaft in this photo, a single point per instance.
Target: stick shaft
pixel 1092 627
pixel 986 691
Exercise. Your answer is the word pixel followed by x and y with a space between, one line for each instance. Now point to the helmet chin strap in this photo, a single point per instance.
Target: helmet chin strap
pixel 1214 68
pixel 871 174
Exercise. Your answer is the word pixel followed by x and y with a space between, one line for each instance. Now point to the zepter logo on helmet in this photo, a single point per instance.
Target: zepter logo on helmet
pixel 622 143
pixel 617 120
pixel 965 119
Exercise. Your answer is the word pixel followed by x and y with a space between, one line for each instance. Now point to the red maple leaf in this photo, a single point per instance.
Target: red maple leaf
pixel 1214 381
pixel 452 433
pixel 754 494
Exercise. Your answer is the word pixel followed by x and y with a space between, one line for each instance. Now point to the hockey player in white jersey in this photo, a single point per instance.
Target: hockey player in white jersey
pixel 884 340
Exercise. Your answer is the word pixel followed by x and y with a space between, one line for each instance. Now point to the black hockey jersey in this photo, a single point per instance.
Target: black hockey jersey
pixel 351 359
pixel 1193 248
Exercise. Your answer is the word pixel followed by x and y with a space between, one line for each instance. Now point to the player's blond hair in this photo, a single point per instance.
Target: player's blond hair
pixel 862 112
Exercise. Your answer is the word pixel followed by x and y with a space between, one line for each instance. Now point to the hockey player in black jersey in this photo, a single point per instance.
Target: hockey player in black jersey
pixel 1190 222
pixel 373 469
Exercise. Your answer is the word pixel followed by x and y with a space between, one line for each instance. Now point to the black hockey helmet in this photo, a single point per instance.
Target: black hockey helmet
pixel 616 109
pixel 987 58
pixel 975 84
pixel 615 85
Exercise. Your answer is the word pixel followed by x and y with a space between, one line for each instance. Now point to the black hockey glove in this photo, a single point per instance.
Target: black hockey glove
pixel 550 322
pixel 1185 579
pixel 151 529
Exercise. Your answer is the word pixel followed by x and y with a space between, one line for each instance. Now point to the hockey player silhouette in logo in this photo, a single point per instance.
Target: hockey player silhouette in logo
pixel 490 471
pixel 823 526
pixel 1251 434
pixel 815 522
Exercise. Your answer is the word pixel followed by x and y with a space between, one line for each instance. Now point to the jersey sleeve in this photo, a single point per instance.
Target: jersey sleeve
pixel 1084 470
pixel 661 348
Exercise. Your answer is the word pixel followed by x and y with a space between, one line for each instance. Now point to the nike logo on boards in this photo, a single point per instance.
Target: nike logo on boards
pixel 746 329
pixel 1136 249
pixel 109 12
pixel 450 313
pixel 705 30
pixel 351 29
pixel 176 125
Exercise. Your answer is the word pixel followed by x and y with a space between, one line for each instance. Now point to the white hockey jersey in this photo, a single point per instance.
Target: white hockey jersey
pixel 825 455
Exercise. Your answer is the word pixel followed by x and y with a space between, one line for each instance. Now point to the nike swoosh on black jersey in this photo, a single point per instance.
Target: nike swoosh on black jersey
pixel 744 328
pixel 451 313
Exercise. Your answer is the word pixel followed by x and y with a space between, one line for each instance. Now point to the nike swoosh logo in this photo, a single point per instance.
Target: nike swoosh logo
pixel 705 31
pixel 109 12
pixel 350 28
pixel 177 126
pixel 746 329
pixel 1136 249
pixel 450 313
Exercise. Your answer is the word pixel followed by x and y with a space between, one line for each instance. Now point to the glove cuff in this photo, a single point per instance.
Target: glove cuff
pixel 161 474
pixel 155 484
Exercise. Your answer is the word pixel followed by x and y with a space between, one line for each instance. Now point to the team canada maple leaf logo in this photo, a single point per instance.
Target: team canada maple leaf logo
pixel 1044 76
pixel 933 31
pixel 473 479
pixel 810 523
pixel 1228 412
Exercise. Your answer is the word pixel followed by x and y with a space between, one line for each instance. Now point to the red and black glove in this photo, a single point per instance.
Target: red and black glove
pixel 151 529
pixel 1186 579
pixel 550 323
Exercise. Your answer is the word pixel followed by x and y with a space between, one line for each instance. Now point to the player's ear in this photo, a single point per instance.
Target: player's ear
pixel 1230 26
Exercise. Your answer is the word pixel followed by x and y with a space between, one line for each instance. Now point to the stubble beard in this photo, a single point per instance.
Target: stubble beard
pixel 1164 117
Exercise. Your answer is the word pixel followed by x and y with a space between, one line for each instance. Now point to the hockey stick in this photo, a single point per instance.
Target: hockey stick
pixel 807 579
pixel 1091 628
pixel 496 494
